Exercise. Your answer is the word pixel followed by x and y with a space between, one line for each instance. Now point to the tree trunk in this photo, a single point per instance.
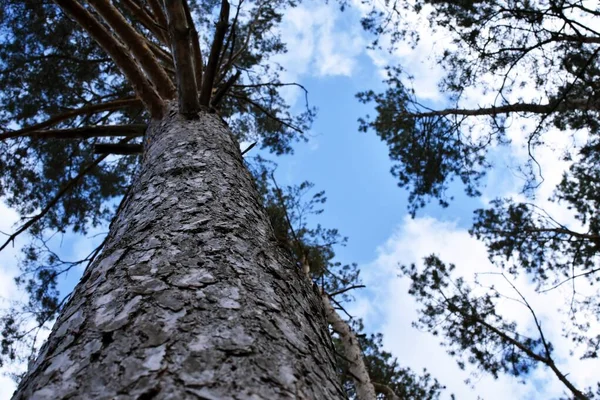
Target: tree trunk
pixel 191 297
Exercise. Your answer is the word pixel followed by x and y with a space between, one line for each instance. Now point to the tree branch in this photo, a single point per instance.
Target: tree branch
pixel 386 391
pixel 265 111
pixel 362 381
pixel 215 53
pixel 220 93
pixel 151 99
pixel 68 186
pixel 187 87
pixel 159 13
pixel 346 290
pixel 137 44
pixel 162 55
pixel 108 106
pixel 576 104
pixel 118 148
pixel 530 353
pixel 89 132
pixel 197 53
pixel 146 20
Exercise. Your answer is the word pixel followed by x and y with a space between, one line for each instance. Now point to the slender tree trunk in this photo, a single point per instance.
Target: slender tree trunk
pixel 191 297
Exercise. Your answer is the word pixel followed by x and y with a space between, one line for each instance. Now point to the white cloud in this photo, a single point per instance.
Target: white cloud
pixel 8 288
pixel 389 306
pixel 318 42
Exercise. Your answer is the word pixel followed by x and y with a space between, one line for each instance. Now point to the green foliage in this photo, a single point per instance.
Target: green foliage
pixel 521 236
pixel 540 60
pixel 430 150
pixel 49 65
pixel 469 324
pixel 511 49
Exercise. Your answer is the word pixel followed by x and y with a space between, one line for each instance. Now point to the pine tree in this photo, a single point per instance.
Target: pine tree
pixel 190 295
pixel 198 290
pixel 551 48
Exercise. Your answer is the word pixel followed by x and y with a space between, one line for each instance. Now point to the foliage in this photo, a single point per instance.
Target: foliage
pixel 533 59
pixel 430 150
pixel 534 62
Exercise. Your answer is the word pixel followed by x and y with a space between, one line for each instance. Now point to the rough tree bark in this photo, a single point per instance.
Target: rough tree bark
pixel 191 297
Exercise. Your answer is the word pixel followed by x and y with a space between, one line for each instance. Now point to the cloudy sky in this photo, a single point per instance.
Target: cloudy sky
pixel 327 54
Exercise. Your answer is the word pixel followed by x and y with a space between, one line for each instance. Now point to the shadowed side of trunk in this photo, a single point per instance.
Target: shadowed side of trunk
pixel 191 297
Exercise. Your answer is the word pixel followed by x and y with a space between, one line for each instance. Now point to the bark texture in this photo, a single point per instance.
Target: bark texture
pixel 352 353
pixel 192 297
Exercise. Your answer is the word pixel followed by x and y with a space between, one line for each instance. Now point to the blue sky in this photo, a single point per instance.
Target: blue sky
pixel 327 55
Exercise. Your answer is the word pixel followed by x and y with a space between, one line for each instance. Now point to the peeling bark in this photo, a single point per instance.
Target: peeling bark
pixel 191 297
pixel 358 370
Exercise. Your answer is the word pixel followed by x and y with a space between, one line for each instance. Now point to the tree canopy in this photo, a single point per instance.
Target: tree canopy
pixel 530 59
pixel 80 83
pixel 526 61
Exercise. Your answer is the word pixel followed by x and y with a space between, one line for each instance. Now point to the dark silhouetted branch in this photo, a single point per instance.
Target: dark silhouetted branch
pixel 68 186
pixel 120 55
pixel 89 132
pixel 581 104
pixel 264 111
pixel 215 53
pixel 138 46
pixel 118 148
pixel 187 87
pixel 249 148
pixel 223 89
pixel 108 106
pixel 346 290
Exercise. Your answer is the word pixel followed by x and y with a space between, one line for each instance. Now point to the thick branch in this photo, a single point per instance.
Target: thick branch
pixel 179 29
pixel 108 106
pixel 197 53
pixel 215 53
pixel 68 186
pixel 137 44
pixel 151 99
pixel 565 105
pixel 90 132
pixel 159 14
pixel 118 148
pixel 352 352
pixel 146 20
pixel 162 55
